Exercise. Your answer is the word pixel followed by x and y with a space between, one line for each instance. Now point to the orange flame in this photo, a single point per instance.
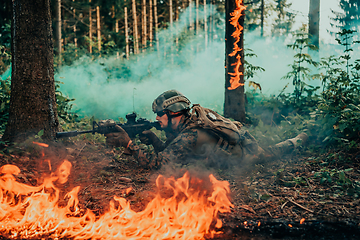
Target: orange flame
pixel 41 144
pixel 234 20
pixel 33 212
pixel 302 220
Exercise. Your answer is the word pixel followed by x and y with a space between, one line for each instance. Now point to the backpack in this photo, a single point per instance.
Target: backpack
pixel 210 120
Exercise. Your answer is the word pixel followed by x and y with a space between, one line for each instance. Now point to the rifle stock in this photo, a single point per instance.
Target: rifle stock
pixel 132 127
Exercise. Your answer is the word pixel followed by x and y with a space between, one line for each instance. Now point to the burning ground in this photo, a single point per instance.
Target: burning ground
pixel 296 197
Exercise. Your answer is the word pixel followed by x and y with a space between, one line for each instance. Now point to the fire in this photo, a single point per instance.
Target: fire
pixel 33 211
pixel 41 144
pixel 234 20
pixel 302 220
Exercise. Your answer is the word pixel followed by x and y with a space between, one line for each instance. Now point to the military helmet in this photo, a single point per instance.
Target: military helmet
pixel 171 100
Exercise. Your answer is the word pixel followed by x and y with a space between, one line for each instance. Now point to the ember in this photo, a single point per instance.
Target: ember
pixel 34 212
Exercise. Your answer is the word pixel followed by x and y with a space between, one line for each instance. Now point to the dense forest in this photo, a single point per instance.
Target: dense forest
pixel 110 58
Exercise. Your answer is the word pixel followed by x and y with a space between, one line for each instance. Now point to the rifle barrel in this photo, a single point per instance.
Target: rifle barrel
pixel 71 134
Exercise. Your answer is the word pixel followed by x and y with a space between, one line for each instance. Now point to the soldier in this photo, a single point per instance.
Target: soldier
pixel 195 133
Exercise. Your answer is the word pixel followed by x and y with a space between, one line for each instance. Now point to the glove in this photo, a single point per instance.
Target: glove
pixel 118 139
pixel 149 138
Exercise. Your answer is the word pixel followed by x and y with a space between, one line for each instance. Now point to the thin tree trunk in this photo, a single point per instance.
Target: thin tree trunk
pixel 234 106
pixel 171 12
pixel 191 20
pixel 144 25
pixel 98 28
pixel 74 28
pixel 156 27
pixel 32 101
pixel 197 18
pixel 90 28
pixel 205 25
pixel 314 21
pixel 184 7
pixel 151 36
pixel 262 18
pixel 127 49
pixel 135 33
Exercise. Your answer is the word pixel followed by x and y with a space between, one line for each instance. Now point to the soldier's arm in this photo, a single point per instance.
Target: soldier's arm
pixel 177 151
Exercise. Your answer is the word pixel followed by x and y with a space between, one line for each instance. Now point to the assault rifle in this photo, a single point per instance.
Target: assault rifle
pixel 132 127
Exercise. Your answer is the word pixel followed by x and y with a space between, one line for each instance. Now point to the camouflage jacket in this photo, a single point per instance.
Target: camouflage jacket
pixel 185 145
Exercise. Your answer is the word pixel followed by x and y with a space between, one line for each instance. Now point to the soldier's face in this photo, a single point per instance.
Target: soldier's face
pixel 163 120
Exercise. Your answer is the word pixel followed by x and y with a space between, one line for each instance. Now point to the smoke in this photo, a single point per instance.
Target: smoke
pixel 113 87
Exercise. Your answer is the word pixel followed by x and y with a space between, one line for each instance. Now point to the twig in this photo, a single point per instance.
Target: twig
pixel 300 206
pixel 81 150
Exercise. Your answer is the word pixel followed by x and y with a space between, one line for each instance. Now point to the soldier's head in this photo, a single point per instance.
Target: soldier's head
pixel 170 106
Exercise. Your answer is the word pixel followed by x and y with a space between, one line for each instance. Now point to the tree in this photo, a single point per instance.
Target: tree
pixel 234 106
pixel 349 18
pixel 32 101
pixel 284 20
pixel 314 22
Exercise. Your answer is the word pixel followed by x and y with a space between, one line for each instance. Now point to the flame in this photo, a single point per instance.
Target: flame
pixel 290 225
pixel 234 20
pixel 34 212
pixel 41 144
pixel 302 220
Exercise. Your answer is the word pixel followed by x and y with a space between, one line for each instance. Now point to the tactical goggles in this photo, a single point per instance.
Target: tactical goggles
pixel 161 113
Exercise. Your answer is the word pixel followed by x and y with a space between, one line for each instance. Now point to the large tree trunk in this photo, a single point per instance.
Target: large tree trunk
pixel 58 30
pixel 234 106
pixel 135 31
pixel 32 101
pixel 314 21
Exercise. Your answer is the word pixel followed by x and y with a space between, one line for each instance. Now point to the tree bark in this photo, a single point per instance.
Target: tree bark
pixel 262 18
pixel 156 26
pixel 314 21
pixel 32 100
pixel 191 20
pixel 144 25
pixel 135 27
pixel 234 105
pixel 171 12
pixel 90 29
pixel 197 18
pixel 127 48
pixel 58 46
pixel 151 36
pixel 98 28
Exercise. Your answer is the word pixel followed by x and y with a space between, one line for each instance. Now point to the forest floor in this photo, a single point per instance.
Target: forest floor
pixel 304 195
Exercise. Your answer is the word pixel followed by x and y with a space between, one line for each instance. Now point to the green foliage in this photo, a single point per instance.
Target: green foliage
pixel 4 103
pixel 300 67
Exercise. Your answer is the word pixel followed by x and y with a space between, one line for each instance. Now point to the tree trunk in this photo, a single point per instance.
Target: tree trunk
pixel 314 21
pixel 171 12
pixel 98 28
pixel 144 25
pixel 58 46
pixel 197 18
pixel 191 20
pixel 151 36
pixel 262 18
pixel 205 25
pixel 156 27
pixel 74 28
pixel 234 106
pixel 32 100
pixel 127 48
pixel 135 33
pixel 90 29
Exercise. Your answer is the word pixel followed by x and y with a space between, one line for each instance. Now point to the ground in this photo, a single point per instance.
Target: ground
pixel 285 198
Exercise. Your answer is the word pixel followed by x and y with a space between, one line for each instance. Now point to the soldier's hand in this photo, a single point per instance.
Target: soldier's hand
pixel 107 123
pixel 148 137
pixel 118 139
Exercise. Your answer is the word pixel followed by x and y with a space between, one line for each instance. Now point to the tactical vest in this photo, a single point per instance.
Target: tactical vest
pixel 227 131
